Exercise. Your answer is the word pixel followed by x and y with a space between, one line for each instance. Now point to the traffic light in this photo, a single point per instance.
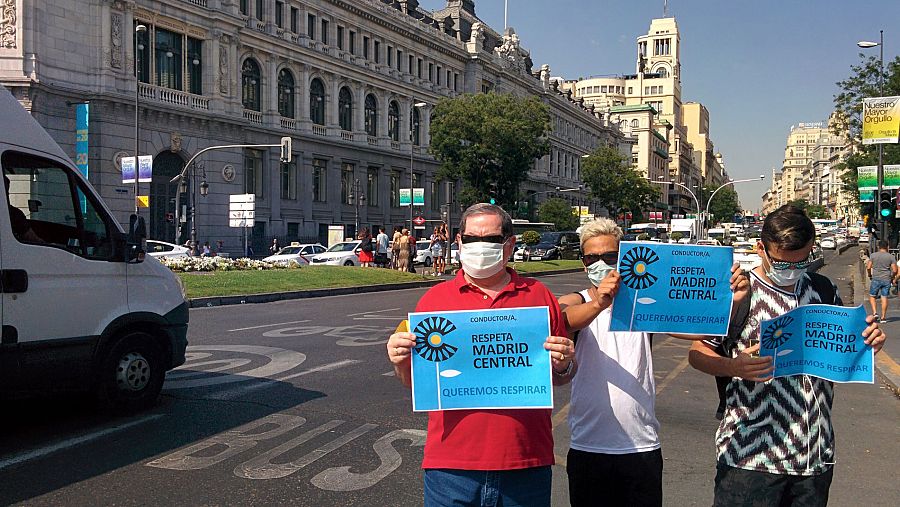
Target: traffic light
pixel 886 205
pixel 285 149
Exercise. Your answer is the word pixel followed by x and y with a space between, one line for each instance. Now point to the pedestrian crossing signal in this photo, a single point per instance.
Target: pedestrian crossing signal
pixel 285 149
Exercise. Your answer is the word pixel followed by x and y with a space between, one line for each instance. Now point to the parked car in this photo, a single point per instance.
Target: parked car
pixel 709 242
pixel 423 253
pixel 556 245
pixel 863 239
pixel 161 250
pixel 296 253
pixel 338 254
pixel 828 243
pixel 454 253
pixel 746 255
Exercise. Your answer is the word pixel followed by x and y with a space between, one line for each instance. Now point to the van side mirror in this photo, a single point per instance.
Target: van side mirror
pixel 136 239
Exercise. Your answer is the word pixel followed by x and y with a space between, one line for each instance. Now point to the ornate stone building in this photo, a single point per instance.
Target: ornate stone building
pixel 352 82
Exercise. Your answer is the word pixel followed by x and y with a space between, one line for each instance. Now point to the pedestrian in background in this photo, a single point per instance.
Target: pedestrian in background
pixel 437 245
pixel 366 255
pixel 381 248
pixel 882 270
pixel 413 251
pixel 206 252
pixel 274 248
pixel 395 247
pixel 403 260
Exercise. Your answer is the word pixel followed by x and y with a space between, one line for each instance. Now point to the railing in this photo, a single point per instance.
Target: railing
pixel 253 116
pixel 288 123
pixel 372 140
pixel 200 3
pixel 319 130
pixel 346 136
pixel 395 145
pixel 175 97
pixel 259 25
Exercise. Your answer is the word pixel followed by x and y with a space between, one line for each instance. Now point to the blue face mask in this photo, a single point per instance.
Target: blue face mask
pixel 597 272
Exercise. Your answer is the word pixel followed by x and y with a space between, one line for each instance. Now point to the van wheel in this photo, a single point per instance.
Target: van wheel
pixel 132 374
pixel 348 263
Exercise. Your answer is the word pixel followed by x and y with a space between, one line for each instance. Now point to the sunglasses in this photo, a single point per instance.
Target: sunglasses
pixel 496 238
pixel 780 265
pixel 609 258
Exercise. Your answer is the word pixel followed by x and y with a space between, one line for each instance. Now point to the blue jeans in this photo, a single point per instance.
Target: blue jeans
pixel 879 287
pixel 501 488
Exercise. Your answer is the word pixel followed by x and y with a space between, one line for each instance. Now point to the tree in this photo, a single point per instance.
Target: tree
pixel 724 205
pixel 558 211
pixel 489 141
pixel 615 184
pixel 811 210
pixel 531 237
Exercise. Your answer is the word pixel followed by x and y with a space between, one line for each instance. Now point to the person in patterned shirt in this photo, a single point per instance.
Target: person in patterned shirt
pixel 775 443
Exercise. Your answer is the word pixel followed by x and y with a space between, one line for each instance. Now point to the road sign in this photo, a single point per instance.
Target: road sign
pixel 238 222
pixel 404 197
pixel 242 198
pixel 241 206
pixel 419 220
pixel 586 218
pixel 142 201
pixel 243 214
pixel 418 197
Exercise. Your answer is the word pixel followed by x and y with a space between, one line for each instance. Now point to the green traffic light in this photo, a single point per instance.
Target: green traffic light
pixel 885 212
pixel 495 202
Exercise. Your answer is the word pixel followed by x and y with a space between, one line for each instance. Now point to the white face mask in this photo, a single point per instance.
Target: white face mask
pixel 783 277
pixel 480 259
pixel 597 272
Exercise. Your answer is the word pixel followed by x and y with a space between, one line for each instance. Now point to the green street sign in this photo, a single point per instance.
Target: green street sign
pixel 404 197
pixel 867 177
pixel 418 197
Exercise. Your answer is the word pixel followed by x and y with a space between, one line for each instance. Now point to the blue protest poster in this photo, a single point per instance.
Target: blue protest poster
pixel 671 288
pixel 824 341
pixel 481 359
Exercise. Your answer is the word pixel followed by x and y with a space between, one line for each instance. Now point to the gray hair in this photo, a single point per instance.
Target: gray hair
pixel 483 208
pixel 600 227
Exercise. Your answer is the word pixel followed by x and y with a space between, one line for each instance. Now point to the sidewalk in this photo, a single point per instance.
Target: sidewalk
pixel 886 361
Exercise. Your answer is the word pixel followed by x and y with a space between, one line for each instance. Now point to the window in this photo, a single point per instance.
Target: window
pixel 410 64
pixel 250 87
pixel 345 109
pixel 365 47
pixel 340 37
pixel 634 123
pixel 253 172
pixel 323 36
pixel 630 90
pixel 311 26
pixel 438 75
pixel 395 189
pixel 352 42
pixel 317 102
pixel 168 57
pixel 662 72
pixel 295 19
pixel 371 115
pixel 259 9
pixel 346 183
pixel 390 56
pixel 286 93
pixel 415 123
pixel 293 232
pixel 195 70
pixel 394 121
pixel 657 105
pixel 279 14
pixel 245 7
pixel 49 206
pixel 372 186
pixel 646 90
pixel 455 82
pixel 289 181
pixel 399 58
pixel 602 89
pixel 431 72
pixel 318 175
pixel 447 81
pixel 419 68
pixel 377 50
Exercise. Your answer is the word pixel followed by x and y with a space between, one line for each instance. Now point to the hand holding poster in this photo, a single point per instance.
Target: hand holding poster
pixel 481 359
pixel 673 289
pixel 824 341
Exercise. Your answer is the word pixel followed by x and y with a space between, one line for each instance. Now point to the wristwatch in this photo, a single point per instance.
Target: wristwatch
pixel 567 371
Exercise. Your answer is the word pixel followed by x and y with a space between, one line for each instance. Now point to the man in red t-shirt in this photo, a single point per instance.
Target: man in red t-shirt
pixel 499 457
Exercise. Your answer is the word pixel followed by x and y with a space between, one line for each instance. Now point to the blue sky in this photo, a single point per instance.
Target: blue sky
pixel 759 66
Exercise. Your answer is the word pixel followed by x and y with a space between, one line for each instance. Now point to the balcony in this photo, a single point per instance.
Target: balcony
pixel 198 3
pixel 253 116
pixel 372 140
pixel 151 93
pixel 395 145
pixel 346 135
pixel 319 130
pixel 288 123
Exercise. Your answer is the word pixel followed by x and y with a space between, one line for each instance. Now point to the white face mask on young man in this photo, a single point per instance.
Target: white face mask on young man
pixel 481 259
pixel 785 276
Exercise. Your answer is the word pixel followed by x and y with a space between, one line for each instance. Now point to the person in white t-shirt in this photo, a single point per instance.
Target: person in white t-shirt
pixel 614 456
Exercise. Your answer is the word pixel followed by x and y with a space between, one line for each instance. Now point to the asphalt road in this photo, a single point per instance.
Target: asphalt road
pixel 293 403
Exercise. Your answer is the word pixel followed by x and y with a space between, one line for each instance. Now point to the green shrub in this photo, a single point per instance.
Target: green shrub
pixel 531 237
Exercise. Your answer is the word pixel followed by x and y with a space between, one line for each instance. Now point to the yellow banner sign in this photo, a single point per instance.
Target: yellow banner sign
pixel 143 201
pixel 881 120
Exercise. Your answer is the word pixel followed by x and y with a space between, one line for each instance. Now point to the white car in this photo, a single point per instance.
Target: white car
pixel 423 253
pixel 708 242
pixel 828 243
pixel 338 254
pixel 296 253
pixel 745 254
pixel 161 249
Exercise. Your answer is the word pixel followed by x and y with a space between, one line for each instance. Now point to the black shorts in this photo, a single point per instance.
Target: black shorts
pixel 632 480
pixel 736 486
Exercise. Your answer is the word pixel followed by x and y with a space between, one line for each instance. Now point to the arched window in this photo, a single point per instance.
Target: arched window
pixel 394 121
pixel 345 109
pixel 250 86
pixel 286 93
pixel 634 123
pixel 662 72
pixel 317 102
pixel 371 115
pixel 415 122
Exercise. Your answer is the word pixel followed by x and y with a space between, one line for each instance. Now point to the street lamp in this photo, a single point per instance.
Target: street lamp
pixel 732 182
pixel 358 198
pixel 137 88
pixel 204 191
pixel 866 45
pixel 696 201
pixel 411 152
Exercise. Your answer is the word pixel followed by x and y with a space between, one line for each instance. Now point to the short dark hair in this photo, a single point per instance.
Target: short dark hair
pixel 788 228
pixel 483 208
pixel 884 244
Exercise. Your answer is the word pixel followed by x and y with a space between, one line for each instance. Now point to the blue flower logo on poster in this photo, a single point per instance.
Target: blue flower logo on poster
pixel 431 343
pixel 635 268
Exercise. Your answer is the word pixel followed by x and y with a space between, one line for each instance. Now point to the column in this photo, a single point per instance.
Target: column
pixel 406 123
pixel 359 112
pixel 425 122
pixel 332 89
pixel 303 85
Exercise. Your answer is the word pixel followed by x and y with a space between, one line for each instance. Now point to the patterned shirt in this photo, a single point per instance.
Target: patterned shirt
pixel 782 426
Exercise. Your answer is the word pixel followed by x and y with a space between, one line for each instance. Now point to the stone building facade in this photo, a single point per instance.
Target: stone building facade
pixel 352 82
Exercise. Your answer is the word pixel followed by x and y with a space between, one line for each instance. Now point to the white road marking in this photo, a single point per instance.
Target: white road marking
pixel 267 325
pixel 279 361
pixel 72 442
pixel 388 374
pixel 373 315
pixel 268 382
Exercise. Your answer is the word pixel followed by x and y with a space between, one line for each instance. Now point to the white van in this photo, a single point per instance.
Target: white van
pixel 82 308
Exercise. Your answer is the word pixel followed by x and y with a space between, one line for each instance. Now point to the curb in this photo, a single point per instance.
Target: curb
pixel 886 369
pixel 269 297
